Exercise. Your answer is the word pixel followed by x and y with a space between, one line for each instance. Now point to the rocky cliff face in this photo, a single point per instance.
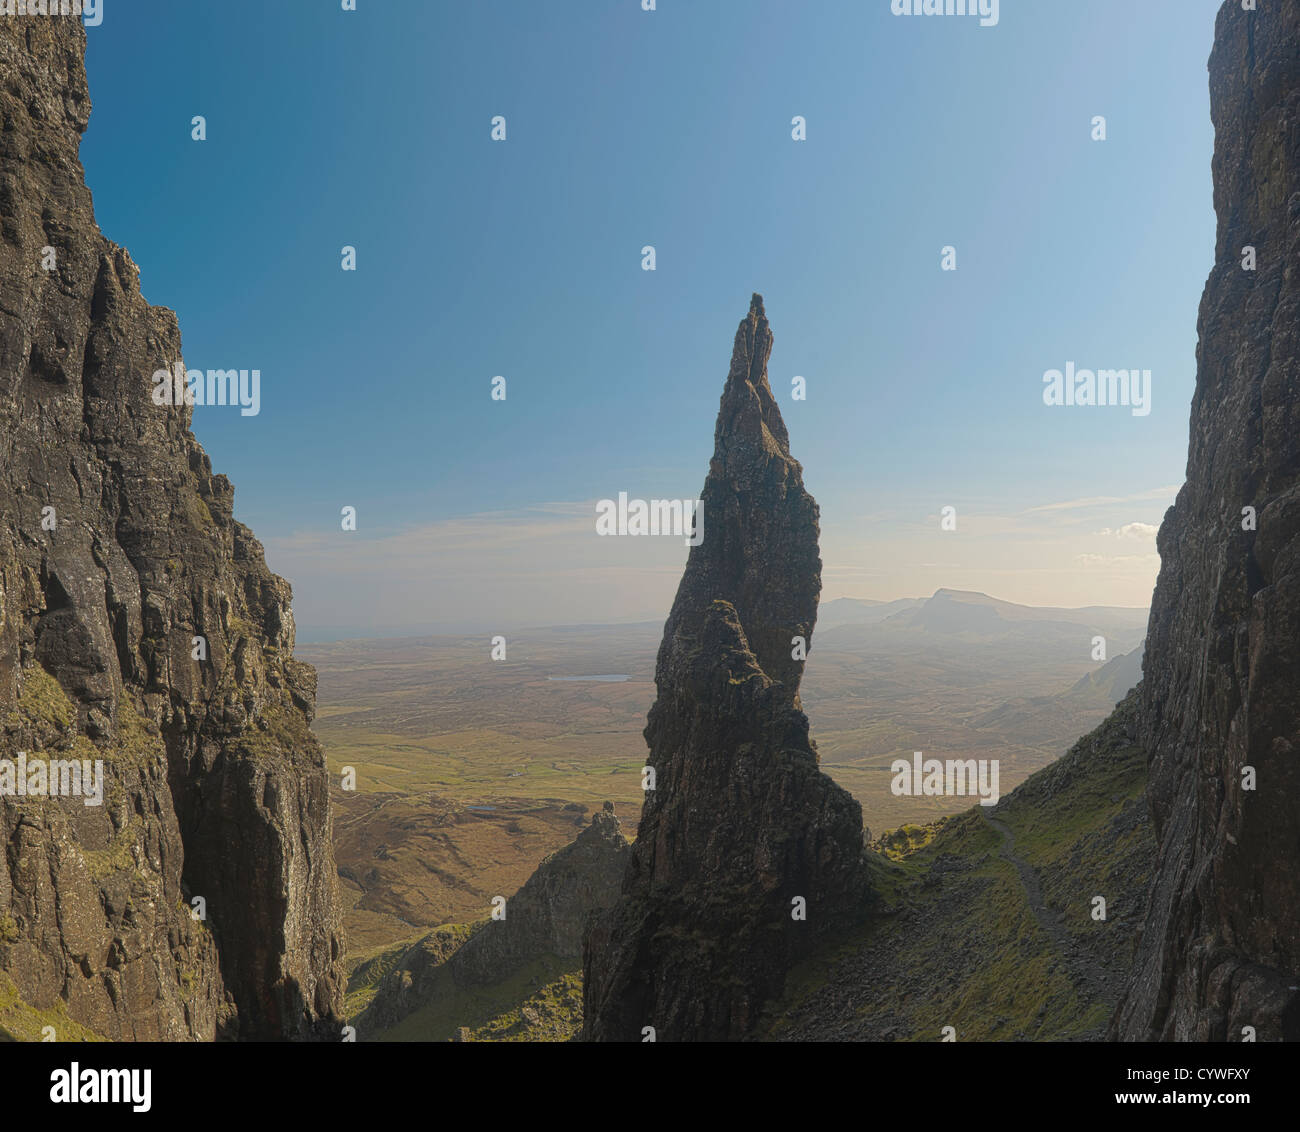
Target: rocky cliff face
pixel 545 918
pixel 548 915
pixel 741 823
pixel 117 549
pixel 1220 949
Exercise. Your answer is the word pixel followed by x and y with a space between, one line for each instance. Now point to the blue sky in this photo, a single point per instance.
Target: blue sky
pixel 522 258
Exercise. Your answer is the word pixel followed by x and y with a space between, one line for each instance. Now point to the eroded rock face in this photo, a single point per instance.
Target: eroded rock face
pixel 215 786
pixel 545 918
pixel 1220 949
pixel 741 821
pixel 549 913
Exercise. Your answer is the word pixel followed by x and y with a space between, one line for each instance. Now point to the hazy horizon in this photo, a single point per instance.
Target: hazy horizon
pixel 333 634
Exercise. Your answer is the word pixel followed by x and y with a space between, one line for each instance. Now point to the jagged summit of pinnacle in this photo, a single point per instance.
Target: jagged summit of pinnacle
pixel 761 527
pixel 749 428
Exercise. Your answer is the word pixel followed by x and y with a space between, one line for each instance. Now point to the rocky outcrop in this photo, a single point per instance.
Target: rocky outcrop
pixel 117 550
pixel 1220 948
pixel 545 918
pixel 741 832
pixel 549 913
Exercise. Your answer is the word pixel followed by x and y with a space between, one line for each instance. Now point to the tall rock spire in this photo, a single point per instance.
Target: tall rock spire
pixel 741 830
pixel 1220 948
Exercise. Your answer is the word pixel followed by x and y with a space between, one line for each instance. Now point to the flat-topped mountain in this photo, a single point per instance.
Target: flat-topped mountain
pixel 970 612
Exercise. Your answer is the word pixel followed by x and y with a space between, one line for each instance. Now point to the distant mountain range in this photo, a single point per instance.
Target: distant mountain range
pixel 861 611
pixel 1027 719
pixel 1114 679
pixel 958 612
pixel 959 674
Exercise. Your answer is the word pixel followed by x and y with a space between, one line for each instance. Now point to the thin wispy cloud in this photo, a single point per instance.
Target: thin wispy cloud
pixel 1167 492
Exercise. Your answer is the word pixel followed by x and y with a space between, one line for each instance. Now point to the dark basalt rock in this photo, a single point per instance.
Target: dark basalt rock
pixel 546 917
pixel 1220 949
pixel 215 784
pixel 741 821
pixel 548 914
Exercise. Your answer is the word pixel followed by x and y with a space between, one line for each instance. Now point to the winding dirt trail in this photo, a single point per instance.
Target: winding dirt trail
pixel 1091 982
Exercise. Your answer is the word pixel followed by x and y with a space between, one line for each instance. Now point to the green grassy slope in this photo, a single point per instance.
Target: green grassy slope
pixel 956 940
pixel 541 1001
